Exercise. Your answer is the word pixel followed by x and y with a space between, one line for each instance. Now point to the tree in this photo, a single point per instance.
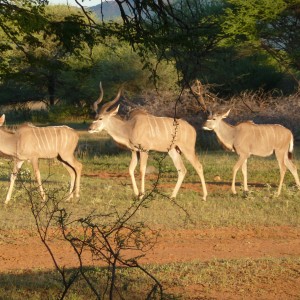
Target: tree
pixel 220 41
pixel 271 26
pixel 37 54
pixel 216 41
pixel 172 30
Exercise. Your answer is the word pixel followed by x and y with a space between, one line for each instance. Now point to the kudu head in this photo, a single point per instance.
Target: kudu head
pixel 105 113
pixel 214 119
pixel 198 92
pixel 2 119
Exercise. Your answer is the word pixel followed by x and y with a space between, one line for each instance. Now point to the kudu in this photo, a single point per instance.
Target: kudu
pixel 143 132
pixel 248 138
pixel 31 143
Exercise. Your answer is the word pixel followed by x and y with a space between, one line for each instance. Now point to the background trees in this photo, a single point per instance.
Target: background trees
pixel 36 58
pixel 54 53
pixel 270 28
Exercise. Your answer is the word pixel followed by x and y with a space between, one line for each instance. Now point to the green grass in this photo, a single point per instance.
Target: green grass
pixel 99 155
pixel 240 277
pixel 260 208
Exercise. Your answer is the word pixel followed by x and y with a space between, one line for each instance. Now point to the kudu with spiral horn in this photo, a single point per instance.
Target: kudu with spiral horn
pixel 143 132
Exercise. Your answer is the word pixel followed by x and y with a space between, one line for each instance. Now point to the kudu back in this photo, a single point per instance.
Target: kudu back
pixel 32 143
pixel 248 138
pixel 143 132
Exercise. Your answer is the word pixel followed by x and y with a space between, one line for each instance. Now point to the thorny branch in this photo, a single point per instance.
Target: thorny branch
pixel 108 237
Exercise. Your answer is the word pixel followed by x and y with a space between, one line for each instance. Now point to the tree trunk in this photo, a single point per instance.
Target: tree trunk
pixel 51 89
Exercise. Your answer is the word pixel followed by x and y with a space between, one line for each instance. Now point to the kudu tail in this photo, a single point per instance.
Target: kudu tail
pixel 291 148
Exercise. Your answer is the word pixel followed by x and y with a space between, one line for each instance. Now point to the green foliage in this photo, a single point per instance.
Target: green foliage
pixel 62 53
pixel 63 112
pixel 272 26
pixel 241 17
pixel 236 70
pixel 39 57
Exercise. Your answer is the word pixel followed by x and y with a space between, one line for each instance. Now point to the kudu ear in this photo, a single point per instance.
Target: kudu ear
pixel 226 114
pixel 2 119
pixel 114 111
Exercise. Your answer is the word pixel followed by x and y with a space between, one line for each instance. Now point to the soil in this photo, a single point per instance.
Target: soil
pixel 23 250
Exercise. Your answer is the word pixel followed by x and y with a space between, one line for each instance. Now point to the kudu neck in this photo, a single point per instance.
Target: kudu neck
pixel 8 143
pixel 119 130
pixel 225 133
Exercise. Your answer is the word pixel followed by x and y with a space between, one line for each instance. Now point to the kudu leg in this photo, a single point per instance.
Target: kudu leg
pixel 179 165
pixel 72 181
pixel 236 167
pixel 244 171
pixel 132 166
pixel 282 167
pixel 78 169
pixel 74 168
pixel 143 166
pixel 293 170
pixel 13 176
pixel 193 159
pixel 35 165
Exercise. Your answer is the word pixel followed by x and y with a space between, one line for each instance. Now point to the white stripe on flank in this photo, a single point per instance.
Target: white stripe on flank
pixel 156 127
pixel 274 135
pixel 41 138
pixel 260 133
pixel 66 138
pixel 61 139
pixel 52 137
pixel 151 129
pixel 56 138
pixel 267 138
pixel 38 141
pixel 171 127
pixel 46 138
pixel 166 128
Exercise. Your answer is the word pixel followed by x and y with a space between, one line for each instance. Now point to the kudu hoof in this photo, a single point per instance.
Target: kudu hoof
pixel 245 194
pixel 69 198
pixel 141 196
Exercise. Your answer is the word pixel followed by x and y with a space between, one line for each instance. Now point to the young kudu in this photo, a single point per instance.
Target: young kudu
pixel 247 138
pixel 31 143
pixel 143 132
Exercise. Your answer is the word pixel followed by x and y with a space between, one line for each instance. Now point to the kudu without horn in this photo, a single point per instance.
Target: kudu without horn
pixel 32 143
pixel 248 138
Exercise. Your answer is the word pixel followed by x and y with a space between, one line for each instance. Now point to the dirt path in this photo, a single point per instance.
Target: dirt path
pixel 24 250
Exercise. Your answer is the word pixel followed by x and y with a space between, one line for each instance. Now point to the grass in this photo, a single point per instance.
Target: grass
pixel 105 186
pixel 242 277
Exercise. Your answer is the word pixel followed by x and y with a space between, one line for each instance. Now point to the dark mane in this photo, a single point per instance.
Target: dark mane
pixel 137 111
pixel 26 125
pixel 247 121
pixel 10 131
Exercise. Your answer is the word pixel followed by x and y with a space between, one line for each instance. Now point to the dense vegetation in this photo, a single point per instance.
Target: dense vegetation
pixel 59 54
